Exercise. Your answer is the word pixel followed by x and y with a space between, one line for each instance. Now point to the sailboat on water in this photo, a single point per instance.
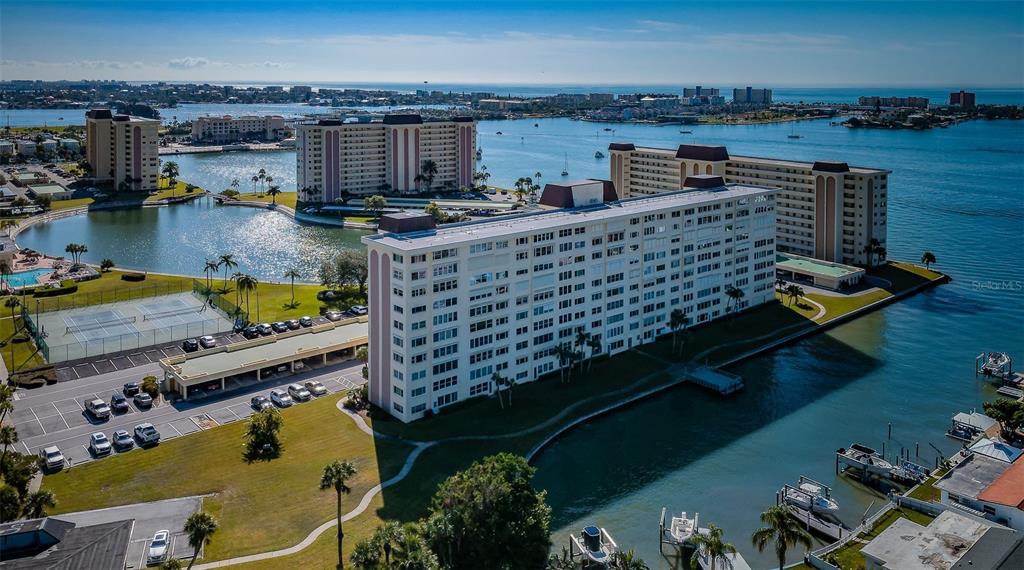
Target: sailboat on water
pixel 565 169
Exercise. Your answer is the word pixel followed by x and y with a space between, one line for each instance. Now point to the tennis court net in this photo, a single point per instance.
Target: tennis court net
pixel 172 312
pixel 98 324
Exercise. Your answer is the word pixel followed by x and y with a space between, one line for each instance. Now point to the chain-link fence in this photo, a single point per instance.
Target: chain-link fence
pixel 144 338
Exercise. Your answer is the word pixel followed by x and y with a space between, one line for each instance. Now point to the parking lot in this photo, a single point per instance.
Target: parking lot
pixel 54 415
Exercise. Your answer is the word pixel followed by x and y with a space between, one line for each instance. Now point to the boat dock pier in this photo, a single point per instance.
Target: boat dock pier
pixel 817 524
pixel 723 382
pixel 736 562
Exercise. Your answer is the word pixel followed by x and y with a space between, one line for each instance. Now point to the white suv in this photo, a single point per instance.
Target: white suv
pixel 52 457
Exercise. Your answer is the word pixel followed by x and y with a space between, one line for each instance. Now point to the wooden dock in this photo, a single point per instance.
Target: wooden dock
pixel 736 562
pixel 723 382
pixel 1010 392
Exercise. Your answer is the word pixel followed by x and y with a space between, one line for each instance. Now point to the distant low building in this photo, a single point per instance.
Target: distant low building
pixel 962 99
pixel 503 105
pixel 26 148
pixel 228 129
pixel 700 91
pixel 874 101
pixel 6 148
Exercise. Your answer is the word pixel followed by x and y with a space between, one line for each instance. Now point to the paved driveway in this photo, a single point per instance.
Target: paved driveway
pixel 149 518
pixel 53 415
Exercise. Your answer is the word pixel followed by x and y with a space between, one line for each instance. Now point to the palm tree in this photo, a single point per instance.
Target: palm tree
pixel 227 261
pixel 255 180
pixel 677 320
pixel 594 344
pixel 735 294
pixel 235 183
pixel 388 535
pixel 247 284
pixel 199 527
pixel 273 191
pixel 261 176
pixel 429 171
pixel 710 546
pixel 565 355
pixel 927 258
pixel 375 204
pixel 12 303
pixel 170 170
pixel 8 437
pixel 582 338
pixel 292 274
pixel 782 530
pixel 627 560
pixel 5 273
pixel 870 250
pixel 795 292
pixel 336 476
pixel 7 224
pixel 520 190
pixel 498 381
pixel 210 268
pixel 37 503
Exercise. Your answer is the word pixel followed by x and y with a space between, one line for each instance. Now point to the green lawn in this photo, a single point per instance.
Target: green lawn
pixel 24 354
pixel 927 491
pixel 68 204
pixel 260 506
pixel 285 198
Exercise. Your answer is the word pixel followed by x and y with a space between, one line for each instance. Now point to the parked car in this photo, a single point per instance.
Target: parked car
pixel 158 548
pixel 131 388
pixel 147 434
pixel 306 321
pixel 143 400
pixel 99 444
pixel 292 324
pixel 190 345
pixel 118 403
pixel 207 341
pixel 251 332
pixel 279 327
pixel 280 398
pixel 259 403
pixel 264 329
pixel 123 440
pixel 52 458
pixel 333 315
pixel 358 310
pixel 316 388
pixel 299 393
pixel 98 409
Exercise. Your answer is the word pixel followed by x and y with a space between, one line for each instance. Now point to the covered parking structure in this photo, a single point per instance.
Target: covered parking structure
pixel 197 374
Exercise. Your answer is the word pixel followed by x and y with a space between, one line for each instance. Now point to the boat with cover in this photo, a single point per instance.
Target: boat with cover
pixel 595 544
pixel 864 458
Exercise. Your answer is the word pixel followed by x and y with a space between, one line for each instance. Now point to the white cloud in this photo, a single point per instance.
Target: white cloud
pixel 660 25
pixel 188 62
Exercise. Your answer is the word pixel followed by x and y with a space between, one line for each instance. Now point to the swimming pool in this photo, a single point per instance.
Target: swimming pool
pixel 22 278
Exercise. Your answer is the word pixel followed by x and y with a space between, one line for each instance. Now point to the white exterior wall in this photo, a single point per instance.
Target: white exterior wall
pixel 856 213
pixel 364 158
pixel 121 150
pixel 445 315
pixel 230 129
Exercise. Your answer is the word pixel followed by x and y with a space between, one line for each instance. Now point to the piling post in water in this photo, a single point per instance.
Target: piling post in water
pixel 890 430
pixel 917 449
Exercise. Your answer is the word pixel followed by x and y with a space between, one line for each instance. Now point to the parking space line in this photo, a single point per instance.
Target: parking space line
pixel 174 428
pixel 61 415
pixel 37 420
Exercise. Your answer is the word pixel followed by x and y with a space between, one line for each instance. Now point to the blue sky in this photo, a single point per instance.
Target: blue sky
pixel 526 42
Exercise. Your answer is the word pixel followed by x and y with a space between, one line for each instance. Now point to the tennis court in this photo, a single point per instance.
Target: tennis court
pixel 103 329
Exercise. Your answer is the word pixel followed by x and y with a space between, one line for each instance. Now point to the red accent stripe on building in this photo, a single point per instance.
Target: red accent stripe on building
pixel 417 155
pixel 394 159
pixel 405 156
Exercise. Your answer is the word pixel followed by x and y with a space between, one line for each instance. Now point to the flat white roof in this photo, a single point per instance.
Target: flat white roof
pixel 765 160
pixel 526 223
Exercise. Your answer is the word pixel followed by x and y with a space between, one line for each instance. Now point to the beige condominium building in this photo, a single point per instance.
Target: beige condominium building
pixel 826 210
pixel 228 129
pixel 452 305
pixel 336 157
pixel 122 149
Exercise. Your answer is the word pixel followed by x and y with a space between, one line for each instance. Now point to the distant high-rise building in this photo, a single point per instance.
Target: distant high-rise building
pixel 122 149
pixel 751 96
pixel 964 99
pixel 700 91
pixel 335 158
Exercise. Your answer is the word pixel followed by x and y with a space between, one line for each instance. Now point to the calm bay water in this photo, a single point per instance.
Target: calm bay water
pixel 178 239
pixel 957 192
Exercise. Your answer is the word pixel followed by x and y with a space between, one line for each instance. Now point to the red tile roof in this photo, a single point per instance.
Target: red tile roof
pixel 1008 489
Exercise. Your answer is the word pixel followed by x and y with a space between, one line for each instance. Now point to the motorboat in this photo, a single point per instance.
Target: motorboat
pixel 865 459
pixel 498 133
pixel 536 125
pixel 810 495
pixel 565 169
pixel 682 528
pixel 997 364
pixel 595 544
pixel 607 128
pixel 686 132
pixel 793 136
pixel 598 154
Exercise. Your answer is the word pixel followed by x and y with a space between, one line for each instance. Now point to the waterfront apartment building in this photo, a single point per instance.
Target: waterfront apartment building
pixel 336 157
pixel 122 149
pixel 826 210
pixel 962 99
pixel 875 101
pixel 751 96
pixel 700 91
pixel 452 305
pixel 228 129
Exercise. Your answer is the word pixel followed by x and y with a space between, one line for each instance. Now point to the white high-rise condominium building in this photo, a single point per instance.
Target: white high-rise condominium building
pixel 450 306
pixel 122 149
pixel 336 157
pixel 751 96
pixel 231 129
pixel 826 210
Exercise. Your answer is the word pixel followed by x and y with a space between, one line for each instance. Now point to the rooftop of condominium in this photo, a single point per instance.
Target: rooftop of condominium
pixel 530 222
pixel 107 114
pixel 388 120
pixel 715 153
